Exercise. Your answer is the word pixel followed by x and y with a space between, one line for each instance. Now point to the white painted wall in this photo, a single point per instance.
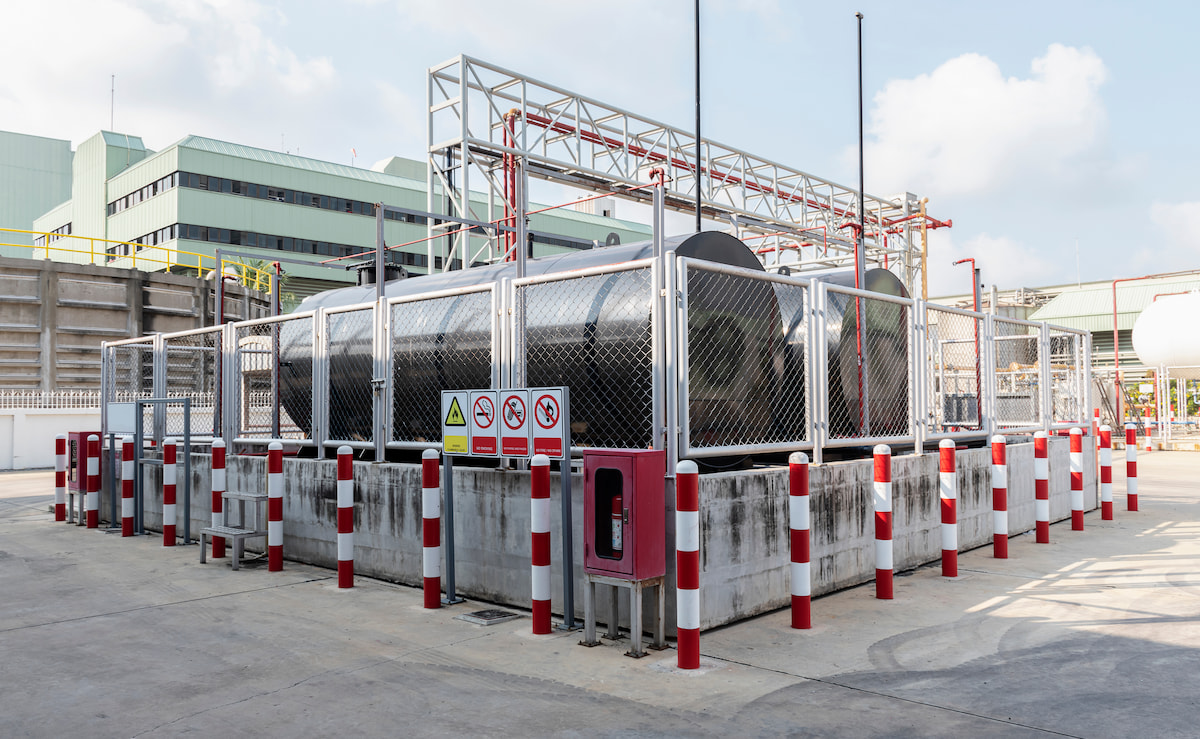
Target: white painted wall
pixel 27 434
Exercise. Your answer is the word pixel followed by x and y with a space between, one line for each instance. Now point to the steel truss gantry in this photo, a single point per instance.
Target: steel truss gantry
pixel 492 129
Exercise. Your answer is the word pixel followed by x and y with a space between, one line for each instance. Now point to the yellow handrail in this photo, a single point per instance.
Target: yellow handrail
pixel 248 275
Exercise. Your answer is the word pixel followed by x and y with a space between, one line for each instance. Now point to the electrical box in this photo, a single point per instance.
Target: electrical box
pixel 624 521
pixel 76 450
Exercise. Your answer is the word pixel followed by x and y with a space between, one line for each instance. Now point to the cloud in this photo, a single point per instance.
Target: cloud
pixel 965 128
pixel 1004 262
pixel 1179 224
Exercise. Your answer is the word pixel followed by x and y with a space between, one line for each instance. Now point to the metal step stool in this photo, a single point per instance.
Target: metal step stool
pixel 237 532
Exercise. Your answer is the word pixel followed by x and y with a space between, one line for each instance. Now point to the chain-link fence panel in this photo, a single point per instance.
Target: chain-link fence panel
pixel 442 343
pixel 130 373
pixel 349 338
pixel 273 384
pixel 746 377
pixel 953 371
pixel 193 372
pixel 868 372
pixel 592 334
pixel 1066 388
pixel 1017 351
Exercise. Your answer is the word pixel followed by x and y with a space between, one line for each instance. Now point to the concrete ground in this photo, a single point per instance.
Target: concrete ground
pixel 1094 635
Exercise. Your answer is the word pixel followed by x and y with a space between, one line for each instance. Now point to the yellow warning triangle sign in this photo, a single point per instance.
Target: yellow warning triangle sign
pixel 454 417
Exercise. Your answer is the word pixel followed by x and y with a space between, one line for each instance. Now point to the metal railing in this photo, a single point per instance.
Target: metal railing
pixel 700 359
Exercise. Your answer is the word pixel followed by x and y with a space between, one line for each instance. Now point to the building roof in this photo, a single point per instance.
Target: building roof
pixel 200 143
pixel 1090 307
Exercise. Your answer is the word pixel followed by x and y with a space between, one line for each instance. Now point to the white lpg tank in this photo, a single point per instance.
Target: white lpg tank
pixel 1166 334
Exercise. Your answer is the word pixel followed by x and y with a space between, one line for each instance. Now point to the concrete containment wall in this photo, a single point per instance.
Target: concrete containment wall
pixel 744 523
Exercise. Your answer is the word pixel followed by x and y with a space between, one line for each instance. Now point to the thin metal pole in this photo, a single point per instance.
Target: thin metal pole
pixel 860 248
pixel 187 472
pixel 448 514
pixel 568 547
pixel 697 5
pixel 379 246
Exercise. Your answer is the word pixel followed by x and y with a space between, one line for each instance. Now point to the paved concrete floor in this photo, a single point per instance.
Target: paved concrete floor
pixel 1096 635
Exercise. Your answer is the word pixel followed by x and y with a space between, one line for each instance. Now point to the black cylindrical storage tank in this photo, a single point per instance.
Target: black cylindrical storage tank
pixel 591 335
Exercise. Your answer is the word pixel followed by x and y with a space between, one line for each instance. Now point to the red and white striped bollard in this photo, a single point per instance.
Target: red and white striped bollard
pixel 1149 436
pixel 1076 479
pixel 431 528
pixel 948 493
pixel 999 497
pixel 882 496
pixel 169 452
pixel 687 564
pixel 539 513
pixel 218 495
pixel 127 486
pixel 275 507
pixel 1106 506
pixel 60 478
pixel 92 498
pixel 800 518
pixel 1131 491
pixel 345 517
pixel 1041 487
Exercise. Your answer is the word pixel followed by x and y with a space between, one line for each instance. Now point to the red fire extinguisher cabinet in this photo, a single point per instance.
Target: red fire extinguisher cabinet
pixel 623 507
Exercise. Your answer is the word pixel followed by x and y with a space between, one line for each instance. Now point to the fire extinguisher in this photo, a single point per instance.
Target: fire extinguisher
pixel 616 526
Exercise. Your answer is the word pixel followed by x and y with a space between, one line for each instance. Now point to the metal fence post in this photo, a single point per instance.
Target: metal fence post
pixel 1085 372
pixel 810 375
pixel 1045 378
pixel 320 381
pixel 819 369
pixel 675 350
pixel 379 380
pixel 159 389
pixel 987 371
pixel 918 352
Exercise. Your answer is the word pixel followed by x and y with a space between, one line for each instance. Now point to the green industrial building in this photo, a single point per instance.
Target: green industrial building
pixel 200 195
pixel 35 175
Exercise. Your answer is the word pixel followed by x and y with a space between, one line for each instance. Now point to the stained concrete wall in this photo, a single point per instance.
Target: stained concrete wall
pixel 744 523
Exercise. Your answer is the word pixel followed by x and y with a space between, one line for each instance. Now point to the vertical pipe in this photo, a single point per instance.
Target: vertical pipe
pixel 1076 479
pixel 127 486
pixel 92 499
pixel 999 497
pixel 800 518
pixel 568 548
pixel 687 564
pixel 60 477
pixel 1041 487
pixel 345 517
pixel 448 511
pixel 948 494
pixel 1106 506
pixel 275 507
pixel 218 495
pixel 539 516
pixel 169 479
pixel 698 188
pixel 431 529
pixel 1131 491
pixel 882 496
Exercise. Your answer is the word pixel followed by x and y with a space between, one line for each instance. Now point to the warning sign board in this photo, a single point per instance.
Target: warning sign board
pixel 485 428
pixel 549 422
pixel 514 434
pixel 455 433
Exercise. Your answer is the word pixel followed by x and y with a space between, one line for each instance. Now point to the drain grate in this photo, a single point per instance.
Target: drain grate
pixel 488 617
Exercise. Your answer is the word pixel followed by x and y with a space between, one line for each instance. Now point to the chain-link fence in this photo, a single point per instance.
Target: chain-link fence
pixel 272 392
pixel 349 342
pixel 954 375
pixel 193 362
pixel 593 334
pixel 1017 351
pixel 1066 380
pixel 128 370
pixel 867 372
pixel 746 383
pixel 438 343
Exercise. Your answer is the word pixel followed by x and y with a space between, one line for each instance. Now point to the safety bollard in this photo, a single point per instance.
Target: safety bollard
pixel 687 564
pixel 539 512
pixel 92 499
pixel 218 495
pixel 1041 487
pixel 169 492
pixel 1106 506
pixel 948 493
pixel 1131 491
pixel 60 478
pixel 345 516
pixel 801 523
pixel 275 507
pixel 1076 479
pixel 882 495
pixel 1149 437
pixel 431 528
pixel 127 486
pixel 999 497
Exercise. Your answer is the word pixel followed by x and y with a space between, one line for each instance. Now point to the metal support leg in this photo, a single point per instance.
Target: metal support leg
pixel 614 615
pixel 589 614
pixel 635 620
pixel 660 617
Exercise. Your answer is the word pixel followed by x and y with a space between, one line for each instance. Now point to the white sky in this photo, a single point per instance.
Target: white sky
pixel 1033 125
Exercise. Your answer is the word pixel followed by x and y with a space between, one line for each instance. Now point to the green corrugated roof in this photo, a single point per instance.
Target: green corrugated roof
pixel 199 143
pixel 123 140
pixel 1090 307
